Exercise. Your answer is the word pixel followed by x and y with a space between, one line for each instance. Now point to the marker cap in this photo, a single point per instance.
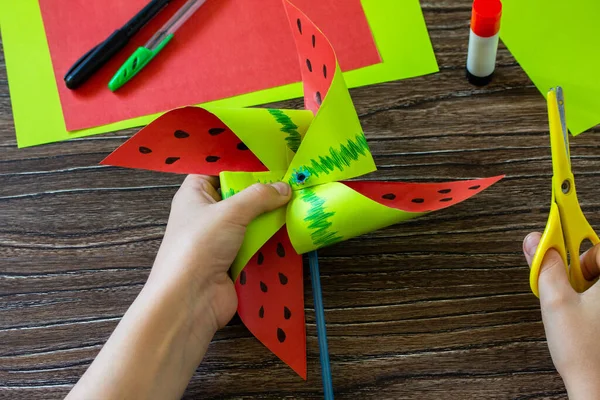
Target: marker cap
pixel 485 17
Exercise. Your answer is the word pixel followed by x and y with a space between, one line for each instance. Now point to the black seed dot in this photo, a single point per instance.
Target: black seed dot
pixel 418 200
pixel 261 312
pixel 212 159
pixel 318 98
pixel 179 134
pixel 260 259
pixel 299 25
pixel 215 131
pixel 280 335
pixel 308 65
pixel 263 287
pixel 444 191
pixel 145 150
pixel 314 41
pixel 325 71
pixel 242 146
pixel 389 196
pixel 243 278
pixel 300 177
pixel 287 314
pixel 283 279
pixel 475 187
pixel 171 160
pixel 280 250
pixel 446 199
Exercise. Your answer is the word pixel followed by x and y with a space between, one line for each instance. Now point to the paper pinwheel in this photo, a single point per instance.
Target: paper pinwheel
pixel 315 150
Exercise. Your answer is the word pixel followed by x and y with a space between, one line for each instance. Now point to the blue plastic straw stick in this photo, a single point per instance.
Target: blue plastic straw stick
pixel 313 260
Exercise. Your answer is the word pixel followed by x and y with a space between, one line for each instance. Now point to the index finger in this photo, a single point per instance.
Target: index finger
pixel 213 180
pixel 590 263
pixel 201 185
pixel 530 245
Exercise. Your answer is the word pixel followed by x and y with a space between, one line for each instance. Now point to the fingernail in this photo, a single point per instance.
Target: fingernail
pixel 282 188
pixel 530 244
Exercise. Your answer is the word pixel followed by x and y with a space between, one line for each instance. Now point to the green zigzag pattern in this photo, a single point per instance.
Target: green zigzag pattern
pixel 293 138
pixel 318 220
pixel 340 158
pixel 232 191
pixel 229 193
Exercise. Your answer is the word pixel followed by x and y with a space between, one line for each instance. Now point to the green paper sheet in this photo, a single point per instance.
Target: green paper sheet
pixel 557 43
pixel 398 28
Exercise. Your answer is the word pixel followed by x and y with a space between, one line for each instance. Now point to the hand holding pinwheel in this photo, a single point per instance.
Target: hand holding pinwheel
pixel 314 150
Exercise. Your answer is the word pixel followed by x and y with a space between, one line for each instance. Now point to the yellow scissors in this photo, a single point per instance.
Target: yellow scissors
pixel 566 227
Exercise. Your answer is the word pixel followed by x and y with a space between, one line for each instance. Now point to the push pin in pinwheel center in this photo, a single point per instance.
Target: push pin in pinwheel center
pixel 300 177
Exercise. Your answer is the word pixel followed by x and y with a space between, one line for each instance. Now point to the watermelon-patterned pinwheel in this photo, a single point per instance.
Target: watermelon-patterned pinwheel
pixel 316 150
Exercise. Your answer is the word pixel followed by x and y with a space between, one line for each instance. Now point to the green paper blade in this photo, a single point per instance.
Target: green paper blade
pixel 263 227
pixel 326 214
pixel 334 147
pixel 272 135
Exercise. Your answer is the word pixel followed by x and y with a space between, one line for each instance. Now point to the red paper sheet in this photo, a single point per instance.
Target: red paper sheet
pixel 228 47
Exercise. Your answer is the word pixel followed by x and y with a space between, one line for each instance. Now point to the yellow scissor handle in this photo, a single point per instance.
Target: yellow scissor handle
pixel 565 237
pixel 551 239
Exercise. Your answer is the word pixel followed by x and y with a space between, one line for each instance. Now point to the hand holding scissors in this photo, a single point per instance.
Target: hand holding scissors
pixel 567 227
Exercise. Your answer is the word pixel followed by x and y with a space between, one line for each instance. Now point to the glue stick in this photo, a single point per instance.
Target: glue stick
pixel 483 41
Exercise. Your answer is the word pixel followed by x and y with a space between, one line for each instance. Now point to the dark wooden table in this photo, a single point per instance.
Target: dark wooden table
pixel 435 308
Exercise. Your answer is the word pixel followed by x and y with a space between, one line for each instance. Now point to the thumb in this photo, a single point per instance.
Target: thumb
pixel 255 200
pixel 553 281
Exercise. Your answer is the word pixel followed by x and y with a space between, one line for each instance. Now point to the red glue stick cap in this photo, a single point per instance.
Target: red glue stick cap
pixel 485 17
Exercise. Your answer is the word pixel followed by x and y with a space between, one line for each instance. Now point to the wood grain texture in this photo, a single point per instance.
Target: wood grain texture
pixel 438 307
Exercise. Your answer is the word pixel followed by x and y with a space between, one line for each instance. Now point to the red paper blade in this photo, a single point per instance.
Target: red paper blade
pixel 270 293
pixel 317 58
pixel 421 197
pixel 188 140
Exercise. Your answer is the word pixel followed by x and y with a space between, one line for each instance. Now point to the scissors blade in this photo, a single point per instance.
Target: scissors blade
pixel 559 139
pixel 560 99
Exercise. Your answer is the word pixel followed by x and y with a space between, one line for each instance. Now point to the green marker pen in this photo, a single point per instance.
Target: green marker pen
pixel 143 55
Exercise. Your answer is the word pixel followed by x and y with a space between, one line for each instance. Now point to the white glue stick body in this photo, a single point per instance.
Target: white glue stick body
pixel 483 41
